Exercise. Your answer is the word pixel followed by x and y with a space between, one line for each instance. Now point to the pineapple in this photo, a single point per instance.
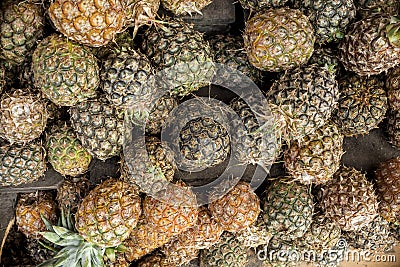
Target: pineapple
pixel 181 54
pixel 21 164
pixel 227 252
pixel 64 81
pixel 375 236
pixel 388 189
pixel 316 157
pixel 392 85
pixel 66 153
pixel 179 251
pixel 21 25
pixel 99 127
pixel 205 233
pixel 370 46
pixel 349 199
pixel 173 213
pixel 279 39
pixel 237 209
pixel 255 235
pixel 368 7
pixel 71 192
pixel 261 4
pixel 393 128
pixel 159 114
pixel 23 116
pixel 185 7
pixel 287 208
pixel 322 235
pixel 185 246
pixel 31 207
pixel 329 18
pixel 258 144
pixel 228 50
pixel 108 214
pixel 88 22
pixel 71 248
pixel 326 57
pixel 152 175
pixel 305 98
pixel 204 142
pixel 144 239
pixel 122 76
pixel 362 104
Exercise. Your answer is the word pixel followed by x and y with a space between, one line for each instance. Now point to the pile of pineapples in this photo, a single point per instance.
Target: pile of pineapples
pixel 74 72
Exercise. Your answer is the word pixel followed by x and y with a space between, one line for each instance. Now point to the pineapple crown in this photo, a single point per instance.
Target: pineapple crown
pixel 71 249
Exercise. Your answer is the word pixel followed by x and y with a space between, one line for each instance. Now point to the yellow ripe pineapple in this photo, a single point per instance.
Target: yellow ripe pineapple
pixel 89 22
pixel 238 209
pixel 108 214
pixel 30 208
pixel 171 213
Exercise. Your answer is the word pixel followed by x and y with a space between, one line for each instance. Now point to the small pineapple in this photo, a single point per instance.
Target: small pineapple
pixel 71 192
pixel 66 153
pixel 329 18
pixel 181 54
pixel 23 116
pixel 21 25
pixel 237 209
pixel 88 22
pixel 37 251
pixel 279 39
pixel 359 50
pixel 388 189
pixel 64 81
pixel 21 164
pixel 349 199
pixel 362 104
pixel 305 98
pixel 108 214
pixel 99 127
pixel 316 157
pixel 185 7
pixel 227 252
pixel 287 208
pixel 204 142
pixel 179 251
pixel 31 207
